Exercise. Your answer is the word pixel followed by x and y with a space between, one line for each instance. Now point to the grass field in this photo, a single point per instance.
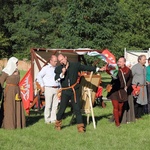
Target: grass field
pixel 22 73
pixel 40 136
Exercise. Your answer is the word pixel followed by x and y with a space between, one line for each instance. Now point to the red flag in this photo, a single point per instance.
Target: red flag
pixel 99 91
pixel 110 58
pixel 26 88
pixel 111 67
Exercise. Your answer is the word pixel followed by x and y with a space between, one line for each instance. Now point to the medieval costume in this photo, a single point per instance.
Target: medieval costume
pixel 118 93
pixel 139 79
pixel 71 92
pixel 128 114
pixel 13 113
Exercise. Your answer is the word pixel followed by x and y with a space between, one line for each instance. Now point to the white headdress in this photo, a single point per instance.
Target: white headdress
pixel 11 66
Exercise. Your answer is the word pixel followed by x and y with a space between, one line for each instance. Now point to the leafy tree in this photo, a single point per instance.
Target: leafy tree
pixel 4 43
pixel 112 24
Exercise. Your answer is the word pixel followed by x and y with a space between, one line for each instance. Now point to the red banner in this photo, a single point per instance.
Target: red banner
pixel 110 58
pixel 99 91
pixel 26 88
pixel 111 67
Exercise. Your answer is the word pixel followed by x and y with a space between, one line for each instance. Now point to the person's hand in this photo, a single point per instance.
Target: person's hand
pixel 63 70
pixel 103 68
pixel 125 88
pixel 67 65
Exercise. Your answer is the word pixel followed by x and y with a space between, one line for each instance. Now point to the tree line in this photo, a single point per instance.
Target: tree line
pixel 96 24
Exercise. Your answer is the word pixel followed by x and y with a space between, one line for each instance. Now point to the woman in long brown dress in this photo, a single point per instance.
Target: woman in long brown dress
pixel 13 113
pixel 128 114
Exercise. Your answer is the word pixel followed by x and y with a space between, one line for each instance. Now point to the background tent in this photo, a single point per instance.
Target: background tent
pixel 40 57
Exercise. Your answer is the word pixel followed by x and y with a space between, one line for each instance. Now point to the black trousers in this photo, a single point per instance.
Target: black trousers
pixel 65 97
pixel 139 109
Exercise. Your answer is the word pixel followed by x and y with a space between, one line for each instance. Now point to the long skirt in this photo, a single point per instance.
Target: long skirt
pixel 128 114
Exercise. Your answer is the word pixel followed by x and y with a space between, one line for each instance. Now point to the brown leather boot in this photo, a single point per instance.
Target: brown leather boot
pixel 80 128
pixel 58 124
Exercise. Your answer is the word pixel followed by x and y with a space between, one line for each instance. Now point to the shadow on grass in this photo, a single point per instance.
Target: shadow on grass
pixel 97 118
pixel 34 117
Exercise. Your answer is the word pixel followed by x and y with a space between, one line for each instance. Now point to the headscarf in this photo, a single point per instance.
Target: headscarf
pixel 11 66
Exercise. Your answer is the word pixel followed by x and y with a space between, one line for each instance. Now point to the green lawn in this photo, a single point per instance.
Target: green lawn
pixel 40 136
pixel 22 73
pixel 105 80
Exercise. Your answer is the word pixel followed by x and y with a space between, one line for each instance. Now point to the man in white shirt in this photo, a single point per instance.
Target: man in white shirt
pixel 50 87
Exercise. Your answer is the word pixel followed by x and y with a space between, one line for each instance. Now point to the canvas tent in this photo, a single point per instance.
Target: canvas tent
pixel 89 84
pixel 30 90
pixel 132 55
pixel 40 57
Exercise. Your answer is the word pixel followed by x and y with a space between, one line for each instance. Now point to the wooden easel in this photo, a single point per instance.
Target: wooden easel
pixel 88 88
pixel 87 93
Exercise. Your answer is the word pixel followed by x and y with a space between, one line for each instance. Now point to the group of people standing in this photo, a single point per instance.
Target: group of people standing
pixel 51 78
pixel 129 91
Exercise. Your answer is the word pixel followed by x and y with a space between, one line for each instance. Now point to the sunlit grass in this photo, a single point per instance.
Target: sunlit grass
pixel 22 73
pixel 40 136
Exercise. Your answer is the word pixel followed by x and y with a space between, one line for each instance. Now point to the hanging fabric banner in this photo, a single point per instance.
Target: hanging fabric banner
pixel 26 88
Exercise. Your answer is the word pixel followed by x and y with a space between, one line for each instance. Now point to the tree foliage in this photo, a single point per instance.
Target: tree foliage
pixel 98 24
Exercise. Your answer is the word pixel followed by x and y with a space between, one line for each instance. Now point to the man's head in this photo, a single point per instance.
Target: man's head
pixel 142 59
pixel 53 60
pixel 62 59
pixel 121 62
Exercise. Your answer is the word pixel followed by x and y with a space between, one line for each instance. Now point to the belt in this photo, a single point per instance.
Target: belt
pixel 55 86
pixel 10 85
pixel 71 87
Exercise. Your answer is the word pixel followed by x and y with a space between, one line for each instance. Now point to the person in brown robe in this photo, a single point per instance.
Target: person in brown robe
pixel 13 113
pixel 128 114
pixel 118 93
